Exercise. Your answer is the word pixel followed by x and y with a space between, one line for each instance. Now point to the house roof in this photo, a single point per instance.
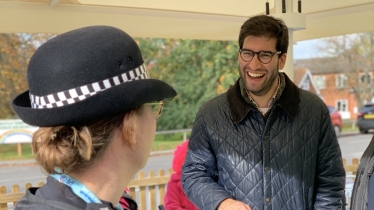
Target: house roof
pixel 324 65
pixel 333 65
pixel 302 75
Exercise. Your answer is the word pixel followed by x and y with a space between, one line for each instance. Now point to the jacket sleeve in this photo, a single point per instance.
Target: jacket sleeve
pixel 330 173
pixel 199 172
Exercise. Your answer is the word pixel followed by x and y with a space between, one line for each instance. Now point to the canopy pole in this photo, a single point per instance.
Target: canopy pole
pixel 283 9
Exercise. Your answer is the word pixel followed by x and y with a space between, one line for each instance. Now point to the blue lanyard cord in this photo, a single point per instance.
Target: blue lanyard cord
pixel 79 189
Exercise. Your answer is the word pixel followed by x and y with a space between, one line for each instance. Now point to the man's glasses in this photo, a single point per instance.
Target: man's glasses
pixel 156 107
pixel 263 56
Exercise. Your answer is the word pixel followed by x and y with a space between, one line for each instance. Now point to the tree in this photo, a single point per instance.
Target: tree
pixel 355 56
pixel 197 69
pixel 15 53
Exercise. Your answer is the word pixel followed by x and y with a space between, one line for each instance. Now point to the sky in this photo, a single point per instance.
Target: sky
pixel 307 49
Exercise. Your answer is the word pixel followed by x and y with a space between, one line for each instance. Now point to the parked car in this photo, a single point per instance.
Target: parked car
pixel 336 119
pixel 365 118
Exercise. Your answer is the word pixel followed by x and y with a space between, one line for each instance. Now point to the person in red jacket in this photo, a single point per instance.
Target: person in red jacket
pixel 175 199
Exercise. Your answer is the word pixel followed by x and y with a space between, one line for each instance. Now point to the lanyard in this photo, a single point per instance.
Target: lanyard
pixel 79 189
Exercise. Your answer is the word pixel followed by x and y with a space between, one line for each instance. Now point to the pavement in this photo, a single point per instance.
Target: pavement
pixel 349 133
pixel 32 162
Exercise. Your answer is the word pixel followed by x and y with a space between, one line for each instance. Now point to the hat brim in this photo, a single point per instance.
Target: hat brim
pixel 115 100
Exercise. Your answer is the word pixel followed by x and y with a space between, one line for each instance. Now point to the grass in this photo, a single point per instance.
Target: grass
pixel 9 152
pixel 167 141
pixel 162 142
pixel 349 129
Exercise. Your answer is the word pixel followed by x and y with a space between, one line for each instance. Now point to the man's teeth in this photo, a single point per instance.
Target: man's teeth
pixel 255 75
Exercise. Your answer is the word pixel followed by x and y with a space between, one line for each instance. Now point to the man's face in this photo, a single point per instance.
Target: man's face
pixel 257 77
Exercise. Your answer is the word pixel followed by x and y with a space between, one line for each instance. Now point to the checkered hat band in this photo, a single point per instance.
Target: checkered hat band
pixel 74 95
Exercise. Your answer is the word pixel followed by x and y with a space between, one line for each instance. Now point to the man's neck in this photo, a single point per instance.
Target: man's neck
pixel 261 101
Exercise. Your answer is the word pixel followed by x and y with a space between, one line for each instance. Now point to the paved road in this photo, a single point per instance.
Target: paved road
pixel 353 146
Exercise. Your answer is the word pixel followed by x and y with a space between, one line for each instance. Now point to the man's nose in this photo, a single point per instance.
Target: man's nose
pixel 255 63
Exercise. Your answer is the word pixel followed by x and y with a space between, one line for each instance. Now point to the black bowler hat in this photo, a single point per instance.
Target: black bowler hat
pixel 84 75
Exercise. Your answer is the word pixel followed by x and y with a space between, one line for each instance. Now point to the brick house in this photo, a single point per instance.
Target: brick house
pixel 333 84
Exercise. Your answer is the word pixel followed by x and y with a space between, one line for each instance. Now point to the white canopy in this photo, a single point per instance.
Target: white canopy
pixel 188 19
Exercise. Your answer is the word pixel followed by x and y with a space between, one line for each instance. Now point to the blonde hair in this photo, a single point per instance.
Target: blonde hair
pixel 72 148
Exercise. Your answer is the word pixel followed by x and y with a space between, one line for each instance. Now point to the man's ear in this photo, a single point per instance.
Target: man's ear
pixel 282 61
pixel 129 126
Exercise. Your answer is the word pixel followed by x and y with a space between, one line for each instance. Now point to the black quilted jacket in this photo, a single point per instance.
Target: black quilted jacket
pixel 290 161
pixel 365 170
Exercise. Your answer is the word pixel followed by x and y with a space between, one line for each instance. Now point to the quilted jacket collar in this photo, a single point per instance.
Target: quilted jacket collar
pixel 289 101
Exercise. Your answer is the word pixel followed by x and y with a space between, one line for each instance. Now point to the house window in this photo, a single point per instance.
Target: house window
pixel 320 81
pixel 366 78
pixel 341 80
pixel 342 105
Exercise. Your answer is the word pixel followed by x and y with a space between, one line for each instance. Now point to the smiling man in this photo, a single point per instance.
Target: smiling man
pixel 265 143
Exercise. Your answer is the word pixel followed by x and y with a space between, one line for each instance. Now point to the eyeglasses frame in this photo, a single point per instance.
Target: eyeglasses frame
pixel 258 53
pixel 162 103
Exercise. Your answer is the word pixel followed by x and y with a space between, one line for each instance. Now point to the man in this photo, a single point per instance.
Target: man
pixel 363 188
pixel 265 143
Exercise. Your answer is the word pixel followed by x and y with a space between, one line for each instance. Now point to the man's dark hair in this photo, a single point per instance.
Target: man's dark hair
pixel 265 26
